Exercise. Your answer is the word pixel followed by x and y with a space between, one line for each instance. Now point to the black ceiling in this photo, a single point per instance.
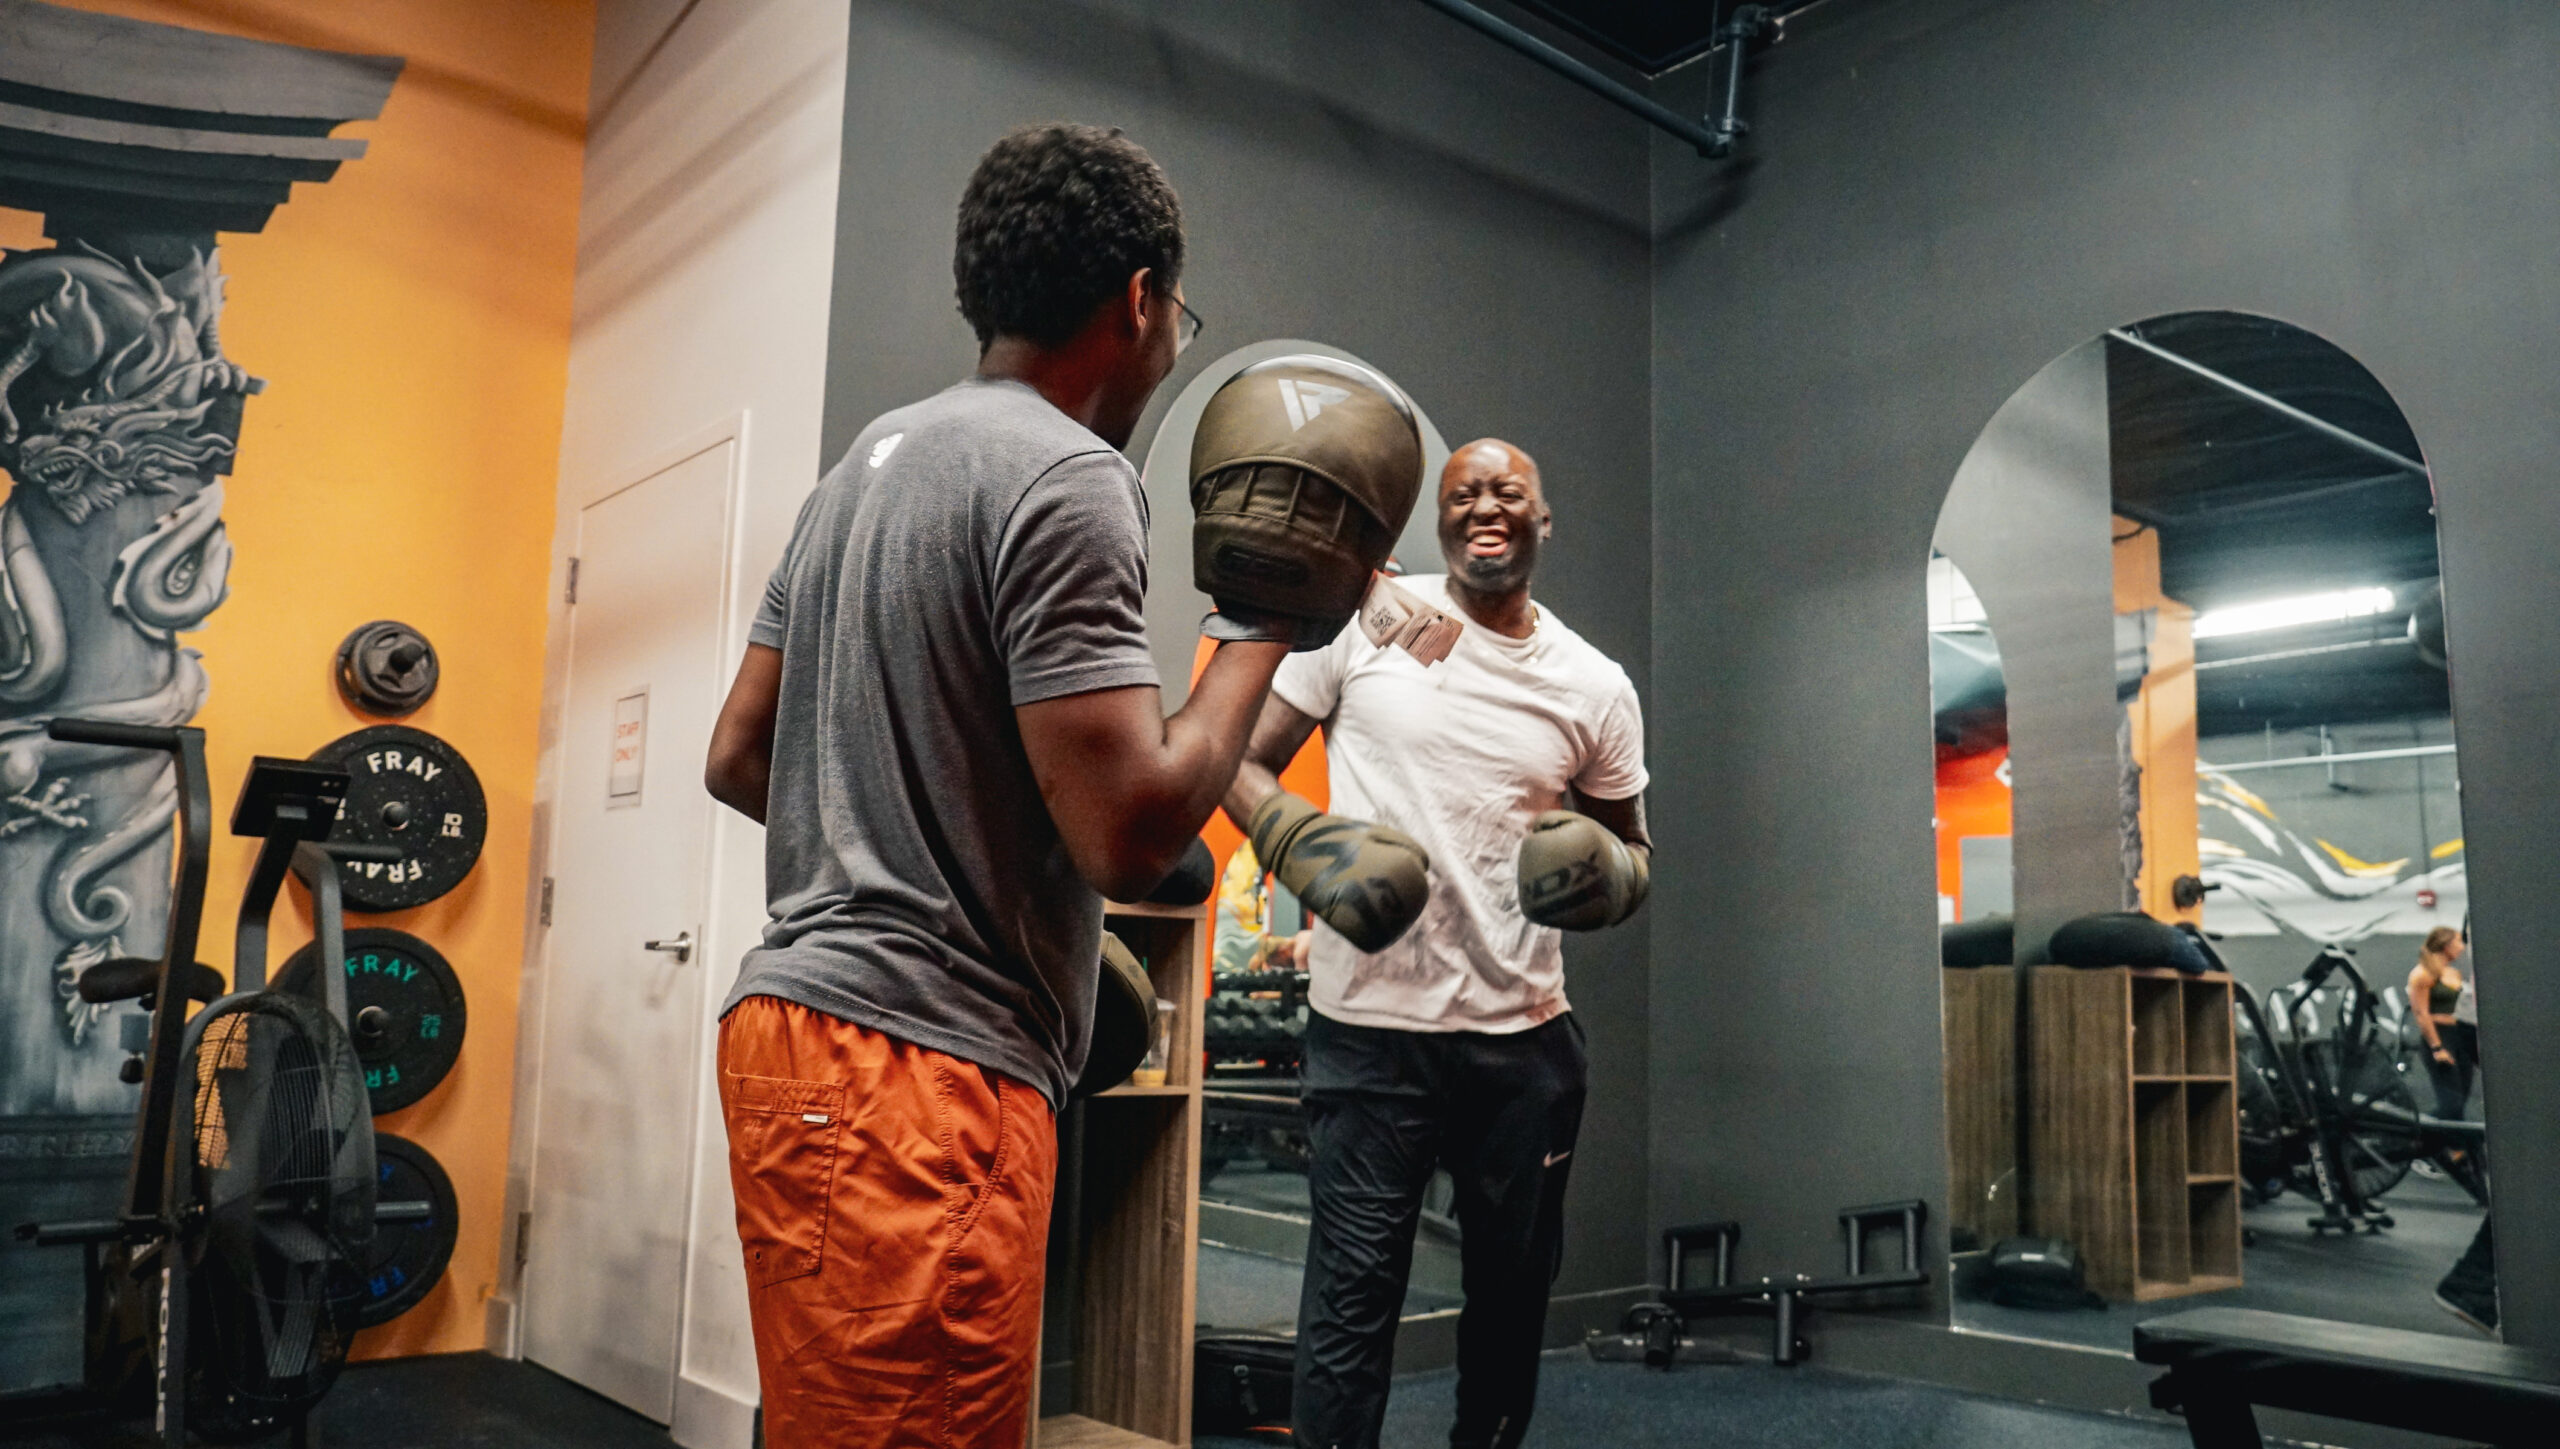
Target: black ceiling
pixel 2251 504
pixel 1651 35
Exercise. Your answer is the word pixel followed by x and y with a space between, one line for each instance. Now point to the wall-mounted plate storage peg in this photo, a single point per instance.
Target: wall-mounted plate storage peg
pixel 388 668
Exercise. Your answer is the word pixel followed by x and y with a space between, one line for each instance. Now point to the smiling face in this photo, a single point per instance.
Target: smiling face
pixel 1493 516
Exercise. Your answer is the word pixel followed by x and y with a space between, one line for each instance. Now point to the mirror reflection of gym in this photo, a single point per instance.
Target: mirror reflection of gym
pixel 1254 1154
pixel 2199 842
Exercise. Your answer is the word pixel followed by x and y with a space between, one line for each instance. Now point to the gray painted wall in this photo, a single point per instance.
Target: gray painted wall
pixel 1356 172
pixel 1947 195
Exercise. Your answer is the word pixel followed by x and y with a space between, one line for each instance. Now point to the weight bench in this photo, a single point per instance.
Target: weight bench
pixel 2223 1360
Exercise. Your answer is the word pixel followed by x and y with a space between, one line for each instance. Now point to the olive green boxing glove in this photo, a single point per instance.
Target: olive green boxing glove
pixel 1577 875
pixel 1368 882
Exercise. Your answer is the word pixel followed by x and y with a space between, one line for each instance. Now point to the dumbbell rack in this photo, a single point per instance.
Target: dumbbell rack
pixel 1124 1232
pixel 1254 1023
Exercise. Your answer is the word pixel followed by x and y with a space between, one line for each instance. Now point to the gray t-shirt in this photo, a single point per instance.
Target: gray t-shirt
pixel 973 552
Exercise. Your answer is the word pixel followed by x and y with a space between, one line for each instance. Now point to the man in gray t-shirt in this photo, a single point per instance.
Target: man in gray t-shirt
pixel 974 553
pixel 947 719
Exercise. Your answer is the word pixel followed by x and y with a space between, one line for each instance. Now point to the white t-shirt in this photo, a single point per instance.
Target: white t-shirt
pixel 1462 756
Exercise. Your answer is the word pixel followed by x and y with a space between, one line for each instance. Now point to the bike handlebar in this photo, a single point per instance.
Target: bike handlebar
pixel 109 732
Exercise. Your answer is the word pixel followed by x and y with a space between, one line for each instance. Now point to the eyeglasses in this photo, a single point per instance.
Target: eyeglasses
pixel 1186 327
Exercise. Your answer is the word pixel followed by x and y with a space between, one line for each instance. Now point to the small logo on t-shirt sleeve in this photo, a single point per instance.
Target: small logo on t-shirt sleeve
pixel 881 450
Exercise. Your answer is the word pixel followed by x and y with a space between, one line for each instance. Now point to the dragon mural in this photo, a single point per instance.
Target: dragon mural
pixel 118 416
pixel 138 144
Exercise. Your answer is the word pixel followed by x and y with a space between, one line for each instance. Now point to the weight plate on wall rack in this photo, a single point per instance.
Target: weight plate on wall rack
pixel 406 1257
pixel 410 790
pixel 404 1009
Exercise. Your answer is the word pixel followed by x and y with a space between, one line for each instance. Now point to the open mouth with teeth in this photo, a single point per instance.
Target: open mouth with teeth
pixel 1488 541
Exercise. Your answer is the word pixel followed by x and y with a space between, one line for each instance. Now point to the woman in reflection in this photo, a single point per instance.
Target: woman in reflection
pixel 2470 1291
pixel 2453 1046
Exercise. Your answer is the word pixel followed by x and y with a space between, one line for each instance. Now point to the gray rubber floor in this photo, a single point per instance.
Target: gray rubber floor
pixel 1625 1406
pixel 444 1401
pixel 2385 1279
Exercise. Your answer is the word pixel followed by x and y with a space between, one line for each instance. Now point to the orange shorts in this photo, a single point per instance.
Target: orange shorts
pixel 893 1202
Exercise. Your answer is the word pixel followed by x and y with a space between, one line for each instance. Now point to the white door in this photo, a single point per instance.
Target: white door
pixel 622 998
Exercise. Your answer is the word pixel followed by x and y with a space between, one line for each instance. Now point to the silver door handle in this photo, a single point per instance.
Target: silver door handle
pixel 681 947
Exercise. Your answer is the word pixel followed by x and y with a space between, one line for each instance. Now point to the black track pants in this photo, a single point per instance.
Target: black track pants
pixel 1384 1108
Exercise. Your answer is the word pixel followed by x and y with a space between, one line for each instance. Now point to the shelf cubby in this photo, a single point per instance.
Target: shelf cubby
pixel 2133 1134
pixel 1124 1230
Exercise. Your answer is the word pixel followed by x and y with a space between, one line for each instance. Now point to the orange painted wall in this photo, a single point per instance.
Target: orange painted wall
pixel 2163 717
pixel 411 318
pixel 1305 775
pixel 1972 800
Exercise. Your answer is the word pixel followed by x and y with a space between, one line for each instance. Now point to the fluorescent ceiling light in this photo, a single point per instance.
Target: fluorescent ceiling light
pixel 2328 608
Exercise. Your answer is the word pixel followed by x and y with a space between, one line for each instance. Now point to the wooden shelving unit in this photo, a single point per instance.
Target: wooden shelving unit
pixel 1124 1233
pixel 1981 1011
pixel 2134 1138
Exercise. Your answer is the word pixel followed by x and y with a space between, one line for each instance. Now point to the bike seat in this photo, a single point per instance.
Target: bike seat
pixel 128 977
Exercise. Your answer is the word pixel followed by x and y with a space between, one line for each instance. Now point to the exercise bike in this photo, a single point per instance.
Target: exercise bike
pixel 227 1282
pixel 2325 1107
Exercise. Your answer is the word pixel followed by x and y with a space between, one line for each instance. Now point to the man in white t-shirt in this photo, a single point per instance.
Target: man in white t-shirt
pixel 1452 1045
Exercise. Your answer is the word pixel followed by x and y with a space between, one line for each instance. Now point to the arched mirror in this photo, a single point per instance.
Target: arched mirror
pixel 2201 879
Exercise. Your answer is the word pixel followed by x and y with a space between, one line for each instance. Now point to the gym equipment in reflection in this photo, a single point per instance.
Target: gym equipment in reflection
pixel 2324 1108
pixel 1255 1031
pixel 407 1013
pixel 387 668
pixel 411 791
pixel 1257 1023
pixel 224 1289
pixel 2185 553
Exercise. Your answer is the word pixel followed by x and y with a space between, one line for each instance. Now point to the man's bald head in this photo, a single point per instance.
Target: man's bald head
pixel 1493 516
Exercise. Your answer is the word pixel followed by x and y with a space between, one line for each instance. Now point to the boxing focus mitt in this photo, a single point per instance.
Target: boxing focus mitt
pixel 1194 878
pixel 1303 472
pixel 1577 875
pixel 1124 1020
pixel 1368 882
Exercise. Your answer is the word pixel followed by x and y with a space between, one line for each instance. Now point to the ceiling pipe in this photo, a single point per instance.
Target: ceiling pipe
pixel 2274 405
pixel 2413 752
pixel 1714 141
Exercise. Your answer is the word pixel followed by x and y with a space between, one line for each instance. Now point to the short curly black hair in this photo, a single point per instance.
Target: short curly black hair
pixel 1055 220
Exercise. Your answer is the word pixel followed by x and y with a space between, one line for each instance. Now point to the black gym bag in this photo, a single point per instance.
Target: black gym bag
pixel 2125 938
pixel 2037 1273
pixel 1983 941
pixel 1240 1382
